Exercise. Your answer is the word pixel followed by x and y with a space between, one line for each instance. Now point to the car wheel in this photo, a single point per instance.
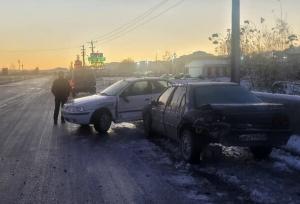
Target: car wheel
pixel 190 146
pixel 147 121
pixel 261 152
pixel 102 121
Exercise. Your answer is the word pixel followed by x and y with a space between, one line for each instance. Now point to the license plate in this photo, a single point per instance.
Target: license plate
pixel 253 137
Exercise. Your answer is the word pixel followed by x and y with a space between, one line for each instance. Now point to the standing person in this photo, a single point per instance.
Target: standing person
pixel 61 90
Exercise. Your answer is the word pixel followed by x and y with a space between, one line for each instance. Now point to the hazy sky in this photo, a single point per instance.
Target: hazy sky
pixel 30 28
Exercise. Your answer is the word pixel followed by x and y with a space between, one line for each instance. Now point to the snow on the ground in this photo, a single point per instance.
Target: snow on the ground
pixel 289 159
pixel 288 155
pixel 274 96
pixel 281 167
pixel 294 144
pixel 261 196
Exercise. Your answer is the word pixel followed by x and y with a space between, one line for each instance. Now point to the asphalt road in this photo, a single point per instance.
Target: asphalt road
pixel 42 163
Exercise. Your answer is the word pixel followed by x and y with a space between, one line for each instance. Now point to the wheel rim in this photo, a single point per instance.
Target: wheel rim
pixel 105 121
pixel 186 146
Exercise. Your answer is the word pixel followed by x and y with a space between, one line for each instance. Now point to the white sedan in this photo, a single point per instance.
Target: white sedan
pixel 121 102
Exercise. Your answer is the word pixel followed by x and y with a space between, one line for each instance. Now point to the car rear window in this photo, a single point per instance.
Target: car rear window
pixel 223 94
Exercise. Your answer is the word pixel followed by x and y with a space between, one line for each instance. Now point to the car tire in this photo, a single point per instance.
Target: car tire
pixel 102 121
pixel 261 152
pixel 190 146
pixel 147 122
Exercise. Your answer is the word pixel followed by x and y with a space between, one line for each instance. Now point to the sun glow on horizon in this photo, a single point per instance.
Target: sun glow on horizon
pixel 35 35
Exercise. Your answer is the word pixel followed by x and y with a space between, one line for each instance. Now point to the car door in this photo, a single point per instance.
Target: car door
pixel 158 111
pixel 133 99
pixel 174 111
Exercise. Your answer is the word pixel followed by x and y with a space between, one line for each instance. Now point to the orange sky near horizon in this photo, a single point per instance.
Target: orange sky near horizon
pixel 30 28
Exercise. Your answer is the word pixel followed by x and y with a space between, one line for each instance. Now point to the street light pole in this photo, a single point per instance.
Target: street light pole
pixel 235 42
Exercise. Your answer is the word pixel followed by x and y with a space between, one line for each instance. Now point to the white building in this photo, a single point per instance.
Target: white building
pixel 208 68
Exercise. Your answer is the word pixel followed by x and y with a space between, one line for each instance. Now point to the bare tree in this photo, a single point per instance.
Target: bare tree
pixel 257 39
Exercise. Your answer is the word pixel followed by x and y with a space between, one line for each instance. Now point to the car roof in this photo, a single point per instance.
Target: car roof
pixel 133 79
pixel 206 84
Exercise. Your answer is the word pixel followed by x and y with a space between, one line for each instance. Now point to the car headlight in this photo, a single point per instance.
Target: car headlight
pixel 80 109
pixel 75 109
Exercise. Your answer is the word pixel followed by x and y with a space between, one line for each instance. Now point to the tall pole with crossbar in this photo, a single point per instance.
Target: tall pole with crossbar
pixel 235 42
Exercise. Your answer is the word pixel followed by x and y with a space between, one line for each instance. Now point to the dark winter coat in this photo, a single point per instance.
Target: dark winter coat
pixel 61 88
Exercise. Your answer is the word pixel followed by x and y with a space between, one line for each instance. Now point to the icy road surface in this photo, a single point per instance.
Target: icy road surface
pixel 40 163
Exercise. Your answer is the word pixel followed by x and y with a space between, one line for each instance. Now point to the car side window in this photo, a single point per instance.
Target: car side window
pixel 163 99
pixel 159 86
pixel 177 98
pixel 138 88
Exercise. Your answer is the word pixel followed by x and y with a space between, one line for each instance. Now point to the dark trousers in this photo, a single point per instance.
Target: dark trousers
pixel 58 103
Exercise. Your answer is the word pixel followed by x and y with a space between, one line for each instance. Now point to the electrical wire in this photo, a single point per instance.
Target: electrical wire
pixel 135 20
pixel 111 38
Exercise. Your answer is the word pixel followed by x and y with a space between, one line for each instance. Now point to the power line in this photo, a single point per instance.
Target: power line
pixel 106 40
pixel 138 24
pixel 135 20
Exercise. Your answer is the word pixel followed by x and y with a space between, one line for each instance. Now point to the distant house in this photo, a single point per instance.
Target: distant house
pixel 4 71
pixel 208 68
pixel 142 65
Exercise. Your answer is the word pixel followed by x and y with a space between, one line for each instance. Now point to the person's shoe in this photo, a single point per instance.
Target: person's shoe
pixel 63 121
pixel 55 122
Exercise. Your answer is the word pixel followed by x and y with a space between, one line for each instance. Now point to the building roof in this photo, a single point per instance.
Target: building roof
pixel 199 63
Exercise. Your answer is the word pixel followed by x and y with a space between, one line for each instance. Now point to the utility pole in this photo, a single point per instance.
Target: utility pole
pixel 83 55
pixel 19 62
pixel 235 42
pixel 92 45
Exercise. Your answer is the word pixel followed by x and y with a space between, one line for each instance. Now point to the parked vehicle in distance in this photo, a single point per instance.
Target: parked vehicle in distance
pixel 286 87
pixel 120 102
pixel 83 80
pixel 199 113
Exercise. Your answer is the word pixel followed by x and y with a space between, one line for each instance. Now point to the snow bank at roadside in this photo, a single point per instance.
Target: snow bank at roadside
pixel 294 144
pixel 277 96
pixel 285 157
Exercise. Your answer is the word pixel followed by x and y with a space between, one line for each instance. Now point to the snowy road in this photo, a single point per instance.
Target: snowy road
pixel 40 163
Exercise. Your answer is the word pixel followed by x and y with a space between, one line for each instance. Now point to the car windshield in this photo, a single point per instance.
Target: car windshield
pixel 227 94
pixel 114 89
